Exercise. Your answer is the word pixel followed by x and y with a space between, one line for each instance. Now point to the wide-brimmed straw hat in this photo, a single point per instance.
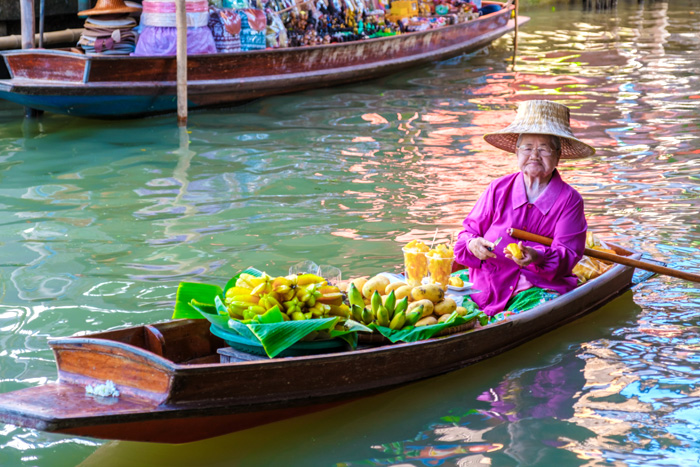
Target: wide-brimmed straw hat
pixel 541 118
pixel 109 7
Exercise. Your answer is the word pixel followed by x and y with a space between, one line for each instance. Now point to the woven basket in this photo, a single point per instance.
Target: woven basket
pixel 377 338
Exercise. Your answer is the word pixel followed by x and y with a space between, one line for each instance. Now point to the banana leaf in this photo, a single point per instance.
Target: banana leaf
pixel 214 318
pixel 202 294
pixel 276 337
pixel 413 334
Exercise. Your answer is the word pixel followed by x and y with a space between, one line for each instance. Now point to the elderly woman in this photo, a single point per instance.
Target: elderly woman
pixel 537 200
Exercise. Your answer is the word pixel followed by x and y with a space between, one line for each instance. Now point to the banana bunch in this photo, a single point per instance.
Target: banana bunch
pixel 388 312
pixel 298 297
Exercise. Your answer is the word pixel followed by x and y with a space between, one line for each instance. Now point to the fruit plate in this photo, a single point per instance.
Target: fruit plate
pixel 466 286
pixel 246 345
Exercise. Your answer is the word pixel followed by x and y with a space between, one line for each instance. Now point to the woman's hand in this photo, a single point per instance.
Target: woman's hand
pixel 530 255
pixel 481 248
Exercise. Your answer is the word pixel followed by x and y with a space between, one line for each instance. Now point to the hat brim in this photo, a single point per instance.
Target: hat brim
pixel 571 147
pixel 108 11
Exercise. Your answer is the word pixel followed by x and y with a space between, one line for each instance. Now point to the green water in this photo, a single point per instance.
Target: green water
pixel 100 221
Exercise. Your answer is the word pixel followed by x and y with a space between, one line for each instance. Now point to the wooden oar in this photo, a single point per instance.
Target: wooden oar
pixel 523 235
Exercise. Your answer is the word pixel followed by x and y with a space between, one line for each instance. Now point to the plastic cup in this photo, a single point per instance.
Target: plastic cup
pixel 439 270
pixel 415 266
pixel 332 274
pixel 304 267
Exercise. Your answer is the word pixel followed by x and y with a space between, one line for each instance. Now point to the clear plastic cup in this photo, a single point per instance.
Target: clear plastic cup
pixel 439 270
pixel 304 267
pixel 332 274
pixel 415 266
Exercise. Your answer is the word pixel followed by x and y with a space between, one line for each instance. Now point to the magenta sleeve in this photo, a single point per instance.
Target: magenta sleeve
pixel 475 225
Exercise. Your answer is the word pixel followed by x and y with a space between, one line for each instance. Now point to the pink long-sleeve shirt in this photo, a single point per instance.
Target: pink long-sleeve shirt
pixel 557 213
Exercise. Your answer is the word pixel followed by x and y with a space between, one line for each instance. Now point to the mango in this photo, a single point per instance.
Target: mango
pixel 377 283
pixel 445 307
pixel 444 318
pixel 427 321
pixel 427 307
pixel 403 291
pixel 432 292
pixel 393 286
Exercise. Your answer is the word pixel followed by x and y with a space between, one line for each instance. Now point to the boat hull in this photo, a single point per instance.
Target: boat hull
pixel 116 87
pixel 165 398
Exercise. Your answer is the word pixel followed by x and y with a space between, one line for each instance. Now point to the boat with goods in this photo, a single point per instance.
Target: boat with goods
pixel 178 382
pixel 111 86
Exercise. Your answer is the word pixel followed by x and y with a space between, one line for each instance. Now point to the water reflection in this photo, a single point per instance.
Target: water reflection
pixel 100 222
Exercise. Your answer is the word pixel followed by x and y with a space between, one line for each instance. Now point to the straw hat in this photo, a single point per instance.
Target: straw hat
pixel 109 7
pixel 541 118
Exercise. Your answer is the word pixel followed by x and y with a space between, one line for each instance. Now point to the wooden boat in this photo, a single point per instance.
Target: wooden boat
pixel 174 389
pixel 67 82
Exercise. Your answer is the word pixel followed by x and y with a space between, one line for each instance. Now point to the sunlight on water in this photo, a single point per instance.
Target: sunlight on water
pixel 101 221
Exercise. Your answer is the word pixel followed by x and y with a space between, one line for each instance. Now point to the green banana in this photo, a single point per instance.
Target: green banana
pixel 376 302
pixel 398 321
pixel 383 316
pixel 357 312
pixel 413 316
pixel 401 305
pixel 355 296
pixel 367 316
pixel 390 304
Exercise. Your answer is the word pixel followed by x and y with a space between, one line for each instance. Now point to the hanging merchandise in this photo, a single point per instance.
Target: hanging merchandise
pixel 253 27
pixel 159 34
pixel 225 25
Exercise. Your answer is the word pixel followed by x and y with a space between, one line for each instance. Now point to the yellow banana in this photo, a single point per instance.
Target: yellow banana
pixel 261 288
pixel 340 310
pixel 233 291
pixel 244 284
pixel 306 279
pixel 257 309
pixel 235 311
pixel 246 298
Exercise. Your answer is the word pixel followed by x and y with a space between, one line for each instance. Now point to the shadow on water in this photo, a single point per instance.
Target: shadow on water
pixel 449 417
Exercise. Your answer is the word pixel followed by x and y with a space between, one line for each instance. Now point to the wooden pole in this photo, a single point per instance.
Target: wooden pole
pixel 42 4
pixel 26 8
pixel 181 23
pixel 522 235
pixel 515 32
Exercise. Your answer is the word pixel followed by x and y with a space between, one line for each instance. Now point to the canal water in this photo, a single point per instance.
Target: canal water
pixel 100 221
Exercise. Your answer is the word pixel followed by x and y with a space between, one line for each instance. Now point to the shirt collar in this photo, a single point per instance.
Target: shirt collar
pixel 546 200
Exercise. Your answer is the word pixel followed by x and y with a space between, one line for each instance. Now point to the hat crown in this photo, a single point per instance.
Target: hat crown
pixel 541 117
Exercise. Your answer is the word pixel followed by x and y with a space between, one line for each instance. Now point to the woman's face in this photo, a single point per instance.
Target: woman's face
pixel 536 157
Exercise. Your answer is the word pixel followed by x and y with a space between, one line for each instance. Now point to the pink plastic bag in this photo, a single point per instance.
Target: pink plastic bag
pixel 160 41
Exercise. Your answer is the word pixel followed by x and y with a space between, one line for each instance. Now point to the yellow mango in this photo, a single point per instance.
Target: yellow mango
pixel 445 307
pixel 428 307
pixel 432 292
